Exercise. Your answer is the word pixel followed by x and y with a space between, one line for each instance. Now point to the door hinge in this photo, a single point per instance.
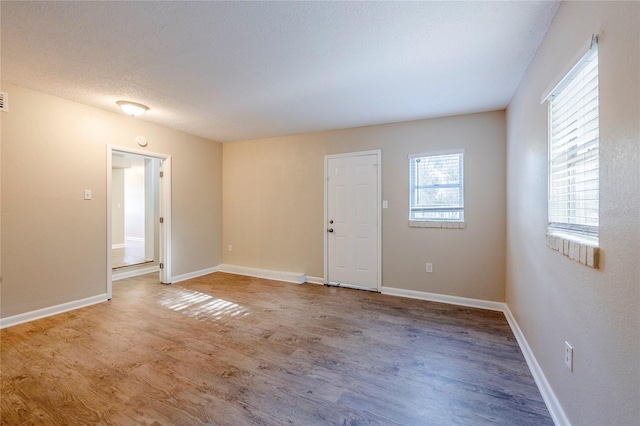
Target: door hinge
pixel 161 174
pixel 162 266
pixel 162 220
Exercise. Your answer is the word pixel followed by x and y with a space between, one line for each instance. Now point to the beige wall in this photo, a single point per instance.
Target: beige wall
pixel 553 298
pixel 273 204
pixel 54 243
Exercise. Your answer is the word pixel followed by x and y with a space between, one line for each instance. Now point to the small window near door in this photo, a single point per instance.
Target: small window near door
pixel 436 194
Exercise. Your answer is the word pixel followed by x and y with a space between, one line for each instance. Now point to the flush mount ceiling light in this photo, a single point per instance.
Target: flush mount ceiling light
pixel 132 108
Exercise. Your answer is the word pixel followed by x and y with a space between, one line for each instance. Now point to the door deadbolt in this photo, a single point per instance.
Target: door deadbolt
pixel 331 221
pixel 330 230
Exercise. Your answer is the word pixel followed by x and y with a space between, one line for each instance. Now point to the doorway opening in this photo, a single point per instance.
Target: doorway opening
pixel 135 207
pixel 138 214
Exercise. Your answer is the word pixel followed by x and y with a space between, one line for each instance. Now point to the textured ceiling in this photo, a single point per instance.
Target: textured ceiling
pixel 240 70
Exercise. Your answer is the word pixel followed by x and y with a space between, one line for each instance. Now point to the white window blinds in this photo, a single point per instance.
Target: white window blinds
pixel 573 149
pixel 436 187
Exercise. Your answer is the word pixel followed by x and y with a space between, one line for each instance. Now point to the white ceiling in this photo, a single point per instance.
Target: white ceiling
pixel 230 71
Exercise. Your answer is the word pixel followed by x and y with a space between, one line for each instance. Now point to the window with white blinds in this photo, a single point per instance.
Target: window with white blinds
pixel 436 187
pixel 574 150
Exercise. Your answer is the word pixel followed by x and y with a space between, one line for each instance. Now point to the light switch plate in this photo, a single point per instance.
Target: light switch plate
pixel 568 355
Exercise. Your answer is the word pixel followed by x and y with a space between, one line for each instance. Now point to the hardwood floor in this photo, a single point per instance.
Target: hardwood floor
pixel 233 350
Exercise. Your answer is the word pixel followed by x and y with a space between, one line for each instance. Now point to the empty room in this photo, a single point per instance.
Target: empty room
pixel 319 213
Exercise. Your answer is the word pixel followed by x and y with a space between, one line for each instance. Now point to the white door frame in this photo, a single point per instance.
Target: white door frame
pixel 165 212
pixel 378 154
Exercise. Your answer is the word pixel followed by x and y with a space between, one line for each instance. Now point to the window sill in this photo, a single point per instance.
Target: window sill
pixel 436 224
pixel 581 250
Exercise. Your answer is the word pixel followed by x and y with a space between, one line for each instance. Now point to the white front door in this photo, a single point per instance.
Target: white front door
pixel 352 255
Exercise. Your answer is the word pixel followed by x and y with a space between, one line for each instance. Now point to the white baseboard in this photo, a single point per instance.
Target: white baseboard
pixel 136 239
pixel 115 276
pixel 443 298
pixel 290 277
pixel 52 310
pixel 553 405
pixel 315 280
pixel 194 274
pixel 118 246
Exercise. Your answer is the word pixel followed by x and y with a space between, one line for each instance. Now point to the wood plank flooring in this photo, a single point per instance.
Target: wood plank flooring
pixel 232 350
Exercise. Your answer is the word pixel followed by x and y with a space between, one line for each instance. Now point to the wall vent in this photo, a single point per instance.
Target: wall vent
pixel 4 101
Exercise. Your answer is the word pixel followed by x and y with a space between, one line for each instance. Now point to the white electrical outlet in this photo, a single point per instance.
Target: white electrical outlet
pixel 230 248
pixel 568 355
pixel 429 267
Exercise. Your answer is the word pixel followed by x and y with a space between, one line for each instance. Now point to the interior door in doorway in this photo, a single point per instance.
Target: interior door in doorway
pixel 353 233
pixel 165 221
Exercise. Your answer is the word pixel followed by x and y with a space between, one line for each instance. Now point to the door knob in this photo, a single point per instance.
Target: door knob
pixel 330 230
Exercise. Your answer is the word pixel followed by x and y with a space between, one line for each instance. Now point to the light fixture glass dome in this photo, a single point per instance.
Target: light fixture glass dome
pixel 132 108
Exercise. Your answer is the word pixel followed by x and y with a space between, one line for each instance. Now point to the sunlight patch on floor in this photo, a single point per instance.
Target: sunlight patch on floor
pixel 201 305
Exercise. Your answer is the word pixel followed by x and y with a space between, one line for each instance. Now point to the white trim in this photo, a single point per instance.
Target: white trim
pixel 134 239
pixel 135 151
pixel 444 298
pixel 315 280
pixel 443 224
pixel 355 154
pixel 52 310
pixel 115 276
pixel 109 288
pixel 378 154
pixel 553 405
pixel 581 239
pixel 436 153
pixel 118 246
pixel 356 287
pixel 194 274
pixel 568 69
pixel 290 277
pixel 575 248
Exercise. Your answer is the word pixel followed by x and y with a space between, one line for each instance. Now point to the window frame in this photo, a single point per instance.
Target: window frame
pixel 436 222
pixel 581 232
